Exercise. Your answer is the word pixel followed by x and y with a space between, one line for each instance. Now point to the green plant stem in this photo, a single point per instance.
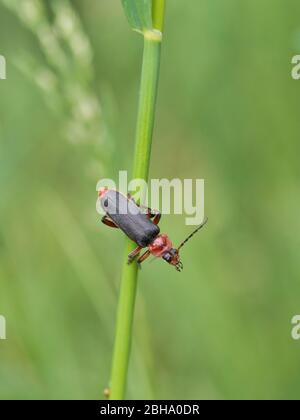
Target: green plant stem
pixel 159 7
pixel 145 125
pixel 146 113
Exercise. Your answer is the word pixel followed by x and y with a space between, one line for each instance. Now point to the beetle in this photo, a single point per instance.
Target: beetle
pixel 141 227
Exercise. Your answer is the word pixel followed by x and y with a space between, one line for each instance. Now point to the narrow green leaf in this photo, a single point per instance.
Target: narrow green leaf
pixel 139 14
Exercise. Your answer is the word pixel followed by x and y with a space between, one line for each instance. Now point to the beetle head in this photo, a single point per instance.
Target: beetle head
pixel 172 257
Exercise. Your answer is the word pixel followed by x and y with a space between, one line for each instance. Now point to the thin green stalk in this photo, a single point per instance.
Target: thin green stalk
pixel 145 125
pixel 159 7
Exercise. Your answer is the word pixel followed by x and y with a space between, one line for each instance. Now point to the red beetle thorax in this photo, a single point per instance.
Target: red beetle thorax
pixel 160 245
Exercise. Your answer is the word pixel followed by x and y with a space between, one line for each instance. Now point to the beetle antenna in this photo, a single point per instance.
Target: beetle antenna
pixel 194 233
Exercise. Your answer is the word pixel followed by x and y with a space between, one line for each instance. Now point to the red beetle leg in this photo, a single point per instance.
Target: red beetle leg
pixel 134 254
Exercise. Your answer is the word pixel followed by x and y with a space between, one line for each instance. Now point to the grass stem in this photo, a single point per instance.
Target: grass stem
pixel 144 134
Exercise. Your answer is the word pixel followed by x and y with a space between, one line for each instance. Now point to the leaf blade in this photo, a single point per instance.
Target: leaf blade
pixel 139 14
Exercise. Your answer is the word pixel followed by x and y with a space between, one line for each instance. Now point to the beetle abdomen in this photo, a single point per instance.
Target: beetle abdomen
pixel 129 218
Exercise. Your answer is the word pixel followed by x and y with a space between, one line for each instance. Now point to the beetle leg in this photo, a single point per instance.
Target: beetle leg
pixel 134 254
pixel 108 222
pixel 144 257
pixel 156 216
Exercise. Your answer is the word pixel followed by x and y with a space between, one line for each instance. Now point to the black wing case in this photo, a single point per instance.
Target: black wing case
pixel 129 218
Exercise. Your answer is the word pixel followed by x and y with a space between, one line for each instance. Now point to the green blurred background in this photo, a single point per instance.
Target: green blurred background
pixel 228 112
